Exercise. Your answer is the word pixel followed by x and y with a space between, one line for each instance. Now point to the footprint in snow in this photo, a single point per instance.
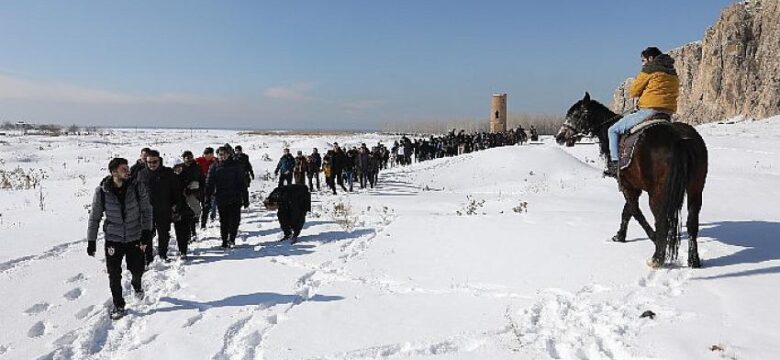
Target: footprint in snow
pixel 38 329
pixel 191 321
pixel 73 294
pixel 37 308
pixel 77 277
pixel 84 312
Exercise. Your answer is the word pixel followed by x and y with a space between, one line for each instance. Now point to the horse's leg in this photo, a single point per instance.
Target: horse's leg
pixel 640 217
pixel 661 230
pixel 629 209
pixel 694 207
pixel 624 217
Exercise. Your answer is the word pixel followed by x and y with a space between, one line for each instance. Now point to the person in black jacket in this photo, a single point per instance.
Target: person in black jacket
pixel 243 159
pixel 182 215
pixel 140 164
pixel 313 166
pixel 349 167
pixel 160 181
pixel 292 202
pixel 194 183
pixel 226 183
pixel 127 228
pixel 339 164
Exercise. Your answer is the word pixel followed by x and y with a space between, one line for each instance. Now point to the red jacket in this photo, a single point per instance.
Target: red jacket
pixel 205 164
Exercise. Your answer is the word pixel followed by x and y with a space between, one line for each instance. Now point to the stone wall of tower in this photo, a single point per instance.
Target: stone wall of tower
pixel 498 113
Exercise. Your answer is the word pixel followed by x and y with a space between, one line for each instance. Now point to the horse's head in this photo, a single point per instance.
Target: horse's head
pixel 579 121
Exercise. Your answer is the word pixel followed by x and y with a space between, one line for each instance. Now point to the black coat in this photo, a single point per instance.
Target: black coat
pixel 339 161
pixel 226 182
pixel 295 198
pixel 314 163
pixel 293 202
pixel 181 210
pixel 137 167
pixel 243 159
pixel 163 193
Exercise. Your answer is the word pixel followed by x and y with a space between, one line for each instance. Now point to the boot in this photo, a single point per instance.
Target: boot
pixel 612 169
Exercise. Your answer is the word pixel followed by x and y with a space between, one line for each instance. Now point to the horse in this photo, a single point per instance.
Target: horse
pixel 669 161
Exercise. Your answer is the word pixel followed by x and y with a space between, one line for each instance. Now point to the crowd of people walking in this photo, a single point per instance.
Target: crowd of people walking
pixel 405 150
pixel 140 202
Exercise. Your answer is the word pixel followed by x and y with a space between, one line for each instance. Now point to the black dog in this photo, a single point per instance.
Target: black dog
pixel 291 202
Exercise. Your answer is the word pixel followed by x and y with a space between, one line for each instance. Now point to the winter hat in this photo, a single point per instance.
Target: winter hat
pixel 178 162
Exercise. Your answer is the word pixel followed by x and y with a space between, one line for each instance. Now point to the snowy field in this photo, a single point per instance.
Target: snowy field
pixel 500 254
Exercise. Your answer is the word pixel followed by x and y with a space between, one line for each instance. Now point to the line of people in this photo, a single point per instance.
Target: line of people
pixel 140 202
pixel 405 150
pixel 339 167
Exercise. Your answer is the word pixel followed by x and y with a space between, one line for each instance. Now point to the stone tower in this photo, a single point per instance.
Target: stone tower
pixel 498 113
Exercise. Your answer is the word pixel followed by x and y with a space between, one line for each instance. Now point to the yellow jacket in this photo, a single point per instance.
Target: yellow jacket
pixel 657 86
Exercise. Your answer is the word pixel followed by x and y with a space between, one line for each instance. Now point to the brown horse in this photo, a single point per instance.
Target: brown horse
pixel 669 161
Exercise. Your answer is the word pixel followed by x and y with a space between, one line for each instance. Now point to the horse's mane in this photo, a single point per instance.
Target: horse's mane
pixel 601 113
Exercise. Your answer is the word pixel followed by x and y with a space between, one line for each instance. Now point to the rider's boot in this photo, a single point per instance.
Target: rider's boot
pixel 612 169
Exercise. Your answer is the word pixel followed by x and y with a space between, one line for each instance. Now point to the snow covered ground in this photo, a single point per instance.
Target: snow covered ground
pixel 493 255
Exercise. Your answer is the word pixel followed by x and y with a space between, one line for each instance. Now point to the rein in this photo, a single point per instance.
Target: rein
pixel 611 119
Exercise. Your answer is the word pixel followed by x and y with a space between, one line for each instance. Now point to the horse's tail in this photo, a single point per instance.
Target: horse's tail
pixel 677 183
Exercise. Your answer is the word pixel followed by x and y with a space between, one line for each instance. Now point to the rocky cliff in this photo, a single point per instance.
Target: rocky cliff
pixel 734 70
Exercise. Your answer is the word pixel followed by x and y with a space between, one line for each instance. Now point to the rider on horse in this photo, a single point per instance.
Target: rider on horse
pixel 657 87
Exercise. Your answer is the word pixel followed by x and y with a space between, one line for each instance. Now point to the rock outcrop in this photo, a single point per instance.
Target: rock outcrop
pixel 734 70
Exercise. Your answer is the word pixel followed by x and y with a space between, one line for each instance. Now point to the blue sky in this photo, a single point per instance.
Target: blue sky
pixel 322 64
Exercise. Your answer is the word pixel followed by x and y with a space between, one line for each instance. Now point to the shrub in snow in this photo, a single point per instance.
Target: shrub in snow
pixel 522 207
pixel 472 207
pixel 344 216
pixel 21 179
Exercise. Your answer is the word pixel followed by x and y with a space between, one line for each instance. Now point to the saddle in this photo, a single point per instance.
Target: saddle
pixel 629 141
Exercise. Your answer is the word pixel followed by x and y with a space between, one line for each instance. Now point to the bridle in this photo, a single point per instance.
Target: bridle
pixel 578 134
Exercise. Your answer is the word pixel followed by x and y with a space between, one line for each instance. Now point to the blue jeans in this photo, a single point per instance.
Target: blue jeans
pixel 623 126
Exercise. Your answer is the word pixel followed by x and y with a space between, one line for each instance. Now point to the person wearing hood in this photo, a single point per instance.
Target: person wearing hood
pixel 657 87
pixel 127 228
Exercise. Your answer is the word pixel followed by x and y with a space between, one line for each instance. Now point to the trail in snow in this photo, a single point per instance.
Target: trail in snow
pixel 418 280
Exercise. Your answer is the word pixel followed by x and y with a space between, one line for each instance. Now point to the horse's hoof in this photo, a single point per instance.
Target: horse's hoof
pixel 654 264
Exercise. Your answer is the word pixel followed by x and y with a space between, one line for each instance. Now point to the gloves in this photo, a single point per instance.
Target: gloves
pixel 91 247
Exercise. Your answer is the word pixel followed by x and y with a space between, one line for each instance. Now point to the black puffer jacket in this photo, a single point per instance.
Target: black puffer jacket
pixel 124 219
pixel 294 199
pixel 226 182
pixel 163 193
